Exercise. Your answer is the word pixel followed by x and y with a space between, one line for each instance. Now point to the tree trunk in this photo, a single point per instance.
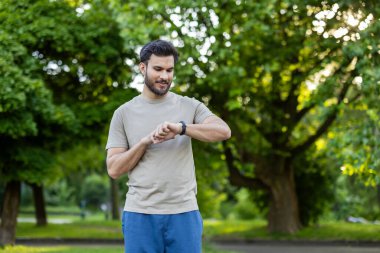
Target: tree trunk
pixel 114 200
pixel 11 202
pixel 39 205
pixel 283 216
pixel 274 175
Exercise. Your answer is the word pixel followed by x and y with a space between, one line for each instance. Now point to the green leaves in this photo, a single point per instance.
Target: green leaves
pixel 281 74
pixel 56 65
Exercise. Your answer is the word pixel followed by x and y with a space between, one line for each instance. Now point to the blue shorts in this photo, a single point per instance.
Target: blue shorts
pixel 162 233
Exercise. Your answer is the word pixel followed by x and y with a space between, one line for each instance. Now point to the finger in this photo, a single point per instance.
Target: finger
pixel 158 140
pixel 157 133
pixel 164 131
pixel 157 136
pixel 166 128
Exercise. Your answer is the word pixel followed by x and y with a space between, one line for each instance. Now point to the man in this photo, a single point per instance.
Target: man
pixel 150 139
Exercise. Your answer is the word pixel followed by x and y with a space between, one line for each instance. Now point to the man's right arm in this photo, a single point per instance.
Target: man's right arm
pixel 122 160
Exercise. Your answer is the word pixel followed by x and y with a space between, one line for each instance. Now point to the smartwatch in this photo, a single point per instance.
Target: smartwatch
pixel 183 127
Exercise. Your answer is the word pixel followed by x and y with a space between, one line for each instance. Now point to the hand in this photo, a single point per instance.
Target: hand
pixel 166 131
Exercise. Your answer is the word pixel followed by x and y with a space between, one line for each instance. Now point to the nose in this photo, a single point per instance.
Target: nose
pixel 164 75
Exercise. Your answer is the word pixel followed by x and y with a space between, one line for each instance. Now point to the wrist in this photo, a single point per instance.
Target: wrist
pixel 146 141
pixel 178 127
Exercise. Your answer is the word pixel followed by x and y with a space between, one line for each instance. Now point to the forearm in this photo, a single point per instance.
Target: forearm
pixel 120 163
pixel 215 130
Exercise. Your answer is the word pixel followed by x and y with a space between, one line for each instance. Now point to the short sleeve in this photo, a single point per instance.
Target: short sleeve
pixel 117 137
pixel 201 113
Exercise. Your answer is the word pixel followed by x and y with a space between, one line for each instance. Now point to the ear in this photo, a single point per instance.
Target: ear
pixel 142 68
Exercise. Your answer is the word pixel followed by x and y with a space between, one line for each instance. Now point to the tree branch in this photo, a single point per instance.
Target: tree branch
pixel 325 125
pixel 303 112
pixel 306 109
pixel 235 177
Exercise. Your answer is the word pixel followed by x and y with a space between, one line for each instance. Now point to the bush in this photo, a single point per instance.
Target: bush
pixel 245 208
pixel 60 193
pixel 95 191
pixel 241 205
pixel 356 199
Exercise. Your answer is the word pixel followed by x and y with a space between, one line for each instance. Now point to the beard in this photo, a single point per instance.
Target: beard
pixel 150 84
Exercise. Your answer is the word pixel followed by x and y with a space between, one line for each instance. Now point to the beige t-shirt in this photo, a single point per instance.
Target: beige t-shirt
pixel 163 182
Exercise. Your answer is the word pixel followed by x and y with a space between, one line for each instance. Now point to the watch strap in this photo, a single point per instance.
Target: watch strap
pixel 183 127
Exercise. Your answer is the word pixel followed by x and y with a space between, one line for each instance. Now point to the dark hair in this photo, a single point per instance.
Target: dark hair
pixel 159 48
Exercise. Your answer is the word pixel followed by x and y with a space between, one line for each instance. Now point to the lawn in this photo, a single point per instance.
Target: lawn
pixel 61 249
pixel 213 229
pixel 323 231
pixel 77 229
pixel 255 229
pixel 79 249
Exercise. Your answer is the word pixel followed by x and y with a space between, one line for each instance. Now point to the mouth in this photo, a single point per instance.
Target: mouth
pixel 162 82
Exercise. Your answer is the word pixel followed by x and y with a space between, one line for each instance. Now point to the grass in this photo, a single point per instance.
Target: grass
pixel 97 228
pixel 82 249
pixel 77 229
pixel 92 227
pixel 64 249
pixel 254 229
pixel 61 249
pixel 61 213
pixel 324 231
pixel 50 209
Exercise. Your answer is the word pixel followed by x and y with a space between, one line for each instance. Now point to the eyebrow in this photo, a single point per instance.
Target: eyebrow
pixel 160 67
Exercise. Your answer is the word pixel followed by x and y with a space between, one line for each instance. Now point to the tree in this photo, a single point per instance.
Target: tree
pixel 280 72
pixel 24 102
pixel 59 61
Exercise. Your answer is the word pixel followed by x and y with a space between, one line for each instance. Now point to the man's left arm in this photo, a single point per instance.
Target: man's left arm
pixel 211 129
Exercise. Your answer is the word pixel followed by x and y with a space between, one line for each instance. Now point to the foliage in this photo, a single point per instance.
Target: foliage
pixel 60 194
pixel 315 186
pixel 20 115
pixel 280 72
pixel 58 66
pixel 353 147
pixel 211 174
pixel 358 147
pixel 355 200
pixel 245 207
pixel 95 191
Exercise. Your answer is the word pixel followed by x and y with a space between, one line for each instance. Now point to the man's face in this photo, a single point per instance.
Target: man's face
pixel 158 74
